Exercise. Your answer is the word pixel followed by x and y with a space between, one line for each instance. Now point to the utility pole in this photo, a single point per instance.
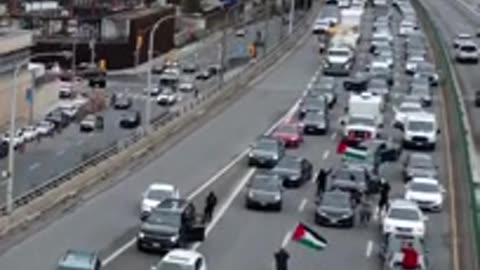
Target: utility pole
pixel 267 23
pixel 74 62
pixel 291 17
pixel 223 46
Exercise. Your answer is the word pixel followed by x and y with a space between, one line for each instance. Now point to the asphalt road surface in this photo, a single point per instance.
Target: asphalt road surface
pixel 52 156
pixel 113 213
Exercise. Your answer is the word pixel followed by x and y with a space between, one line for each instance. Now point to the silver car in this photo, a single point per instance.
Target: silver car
pixel 265 191
pixel 378 86
pixel 419 165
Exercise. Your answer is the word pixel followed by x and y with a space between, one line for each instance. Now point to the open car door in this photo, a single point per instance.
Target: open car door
pixel 196 233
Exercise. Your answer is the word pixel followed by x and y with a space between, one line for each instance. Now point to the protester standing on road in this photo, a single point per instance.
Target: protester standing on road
pixel 365 210
pixel 210 203
pixel 281 259
pixel 384 196
pixel 195 93
pixel 410 257
pixel 322 180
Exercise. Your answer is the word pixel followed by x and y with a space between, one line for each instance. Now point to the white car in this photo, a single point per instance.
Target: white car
pixel 241 32
pixel 461 39
pixel 69 109
pixel 407 27
pixel 186 87
pixel 412 63
pixel 426 192
pixel 155 194
pixel 155 91
pixel 402 112
pixel 168 97
pixel 182 259
pixel 379 2
pixel 344 3
pixel 379 63
pixel 45 128
pixel 467 51
pixel 30 133
pixel 17 140
pixel 404 218
pixel 321 26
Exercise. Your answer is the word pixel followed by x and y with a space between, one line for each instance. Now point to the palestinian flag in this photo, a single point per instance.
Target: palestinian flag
pixel 307 237
pixel 356 154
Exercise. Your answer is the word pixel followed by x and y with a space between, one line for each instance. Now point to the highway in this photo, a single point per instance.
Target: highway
pixel 52 156
pixel 112 214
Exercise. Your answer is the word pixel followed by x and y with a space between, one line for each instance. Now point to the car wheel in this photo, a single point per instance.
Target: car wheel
pixel 139 246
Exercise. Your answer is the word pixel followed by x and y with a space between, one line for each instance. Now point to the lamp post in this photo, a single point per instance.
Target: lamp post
pixel 13 115
pixel 291 17
pixel 151 43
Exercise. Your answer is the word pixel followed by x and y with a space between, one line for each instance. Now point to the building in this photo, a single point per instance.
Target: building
pixel 15 48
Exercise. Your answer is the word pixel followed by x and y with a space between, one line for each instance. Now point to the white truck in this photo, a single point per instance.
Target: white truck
pixel 365 116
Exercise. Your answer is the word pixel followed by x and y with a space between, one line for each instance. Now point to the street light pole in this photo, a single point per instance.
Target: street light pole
pixel 267 22
pixel 13 117
pixel 151 44
pixel 291 17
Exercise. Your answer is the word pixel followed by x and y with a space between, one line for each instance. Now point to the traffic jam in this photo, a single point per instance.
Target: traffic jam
pixel 375 96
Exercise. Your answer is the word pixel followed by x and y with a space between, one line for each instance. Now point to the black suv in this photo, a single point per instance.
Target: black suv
pixel 172 224
pixel 266 152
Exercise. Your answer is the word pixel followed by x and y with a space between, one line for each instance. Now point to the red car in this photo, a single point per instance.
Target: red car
pixel 289 134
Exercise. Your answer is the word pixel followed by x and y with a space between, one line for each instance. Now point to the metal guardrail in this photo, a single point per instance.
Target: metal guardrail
pixel 462 128
pixel 236 83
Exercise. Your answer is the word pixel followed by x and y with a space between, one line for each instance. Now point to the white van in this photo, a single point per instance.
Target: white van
pixel 420 131
pixel 366 104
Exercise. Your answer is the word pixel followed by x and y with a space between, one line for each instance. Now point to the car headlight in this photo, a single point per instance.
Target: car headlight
pixel 419 230
pixel 347 215
pixel 387 228
pixel 251 194
pixel 278 197
pixel 275 157
pixel 174 238
pixel 141 235
pixel 146 208
pixel 250 154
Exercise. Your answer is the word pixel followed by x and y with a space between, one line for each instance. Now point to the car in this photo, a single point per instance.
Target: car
pixel 215 69
pixel 426 192
pixel 380 63
pixel 416 52
pixel 153 92
pixel 30 133
pixel 349 179
pixel 403 110
pixel 69 109
pixel 335 208
pixel 412 63
pixel 89 123
pixel 391 251
pixel 461 39
pixel 358 83
pixel 204 75
pixel 428 71
pixel 419 165
pixel 387 56
pixel 58 118
pixel 467 52
pixel 18 139
pixel 121 101
pixel 379 86
pixel 186 87
pixel 131 119
pixel 315 123
pixel 189 68
pixel 154 195
pixel 66 92
pixel 241 32
pixel 265 191
pixel 182 259
pixel 383 73
pixel 407 27
pixel 173 223
pixel 45 128
pixel 344 3
pixel 321 26
pixel 294 171
pixel 379 46
pixel 265 152
pixel 79 260
pixel 290 134
pixel 325 86
pixel 313 104
pixel 168 97
pixel 405 218
pixel 423 93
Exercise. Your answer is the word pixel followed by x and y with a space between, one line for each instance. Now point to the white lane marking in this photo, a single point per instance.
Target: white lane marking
pixel 223 209
pixel 60 152
pixel 80 142
pixel 309 86
pixel 313 79
pixel 286 239
pixel 333 136
pixel 326 154
pixel 314 178
pixel 91 134
pixel 376 213
pixel 203 187
pixel 369 249
pixel 302 205
pixel 34 166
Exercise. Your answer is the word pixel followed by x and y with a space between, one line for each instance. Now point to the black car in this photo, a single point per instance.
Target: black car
pixel 204 75
pixel 130 119
pixel 121 101
pixel 266 152
pixel 214 69
pixel 294 171
pixel 325 87
pixel 349 179
pixel 315 123
pixel 174 223
pixel 189 68
pixel 313 104
pixel 358 83
pixel 264 191
pixel 96 77
pixel 3 149
pixel 58 118
pixel 335 208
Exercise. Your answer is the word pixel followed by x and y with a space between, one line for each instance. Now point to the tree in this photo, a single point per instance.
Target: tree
pixel 191 6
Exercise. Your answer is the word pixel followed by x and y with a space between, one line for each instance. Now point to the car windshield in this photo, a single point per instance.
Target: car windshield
pixel 266 145
pixel 377 83
pixel 338 52
pixel 464 36
pixel 334 199
pixel 288 164
pixel 404 214
pixel 420 126
pixel 266 183
pixel 290 129
pixel 469 48
pixel 356 120
pixel 165 217
pixel 165 265
pixel 408 108
pixel 314 117
pixel 421 162
pixel 424 187
pixel 158 194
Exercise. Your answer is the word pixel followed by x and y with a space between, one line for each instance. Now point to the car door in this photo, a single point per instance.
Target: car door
pixel 195 229
pixel 306 170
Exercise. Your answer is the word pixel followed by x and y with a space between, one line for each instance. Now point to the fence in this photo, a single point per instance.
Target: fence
pixel 118 155
pixel 464 150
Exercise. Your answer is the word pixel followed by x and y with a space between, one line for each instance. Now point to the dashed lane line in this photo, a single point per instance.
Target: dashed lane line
pixel 302 205
pixel 34 166
pixel 369 249
pixel 326 154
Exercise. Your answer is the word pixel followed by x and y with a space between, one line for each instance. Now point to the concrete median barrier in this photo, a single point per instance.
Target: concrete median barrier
pixel 122 154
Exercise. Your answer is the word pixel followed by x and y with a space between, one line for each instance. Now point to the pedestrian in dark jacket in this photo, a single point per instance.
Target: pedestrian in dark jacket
pixel 322 180
pixel 384 196
pixel 210 203
pixel 281 259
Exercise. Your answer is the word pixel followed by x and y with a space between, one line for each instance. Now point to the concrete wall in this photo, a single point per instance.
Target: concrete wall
pixel 6 87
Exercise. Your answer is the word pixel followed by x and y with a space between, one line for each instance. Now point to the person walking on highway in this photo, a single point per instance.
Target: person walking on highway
pixel 210 203
pixel 195 93
pixel 365 210
pixel 410 257
pixel 384 196
pixel 281 259
pixel 322 180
